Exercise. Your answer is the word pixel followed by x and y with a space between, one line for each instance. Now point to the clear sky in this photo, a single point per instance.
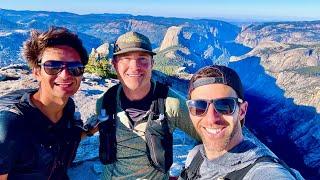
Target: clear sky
pixel 230 9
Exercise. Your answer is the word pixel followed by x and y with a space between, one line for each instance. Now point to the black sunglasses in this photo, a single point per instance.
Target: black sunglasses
pixel 225 106
pixel 53 67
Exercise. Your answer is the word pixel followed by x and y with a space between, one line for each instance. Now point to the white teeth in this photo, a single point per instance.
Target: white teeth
pixel 64 84
pixel 134 75
pixel 213 130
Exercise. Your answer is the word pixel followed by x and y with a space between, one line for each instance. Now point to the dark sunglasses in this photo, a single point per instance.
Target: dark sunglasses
pixel 53 67
pixel 225 106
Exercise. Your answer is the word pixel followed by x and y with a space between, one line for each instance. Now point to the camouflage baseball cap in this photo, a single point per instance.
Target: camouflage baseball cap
pixel 132 41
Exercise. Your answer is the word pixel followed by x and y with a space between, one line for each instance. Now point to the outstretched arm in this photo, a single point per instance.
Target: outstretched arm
pixel 179 115
pixel 4 177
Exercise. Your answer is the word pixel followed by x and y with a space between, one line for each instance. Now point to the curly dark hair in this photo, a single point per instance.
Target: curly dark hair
pixel 34 47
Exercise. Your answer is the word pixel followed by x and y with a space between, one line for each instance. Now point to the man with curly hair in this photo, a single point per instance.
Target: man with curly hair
pixel 39 135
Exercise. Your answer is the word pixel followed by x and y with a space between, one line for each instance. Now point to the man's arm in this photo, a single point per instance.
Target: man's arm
pixel 94 127
pixel 99 104
pixel 9 134
pixel 178 113
pixel 4 177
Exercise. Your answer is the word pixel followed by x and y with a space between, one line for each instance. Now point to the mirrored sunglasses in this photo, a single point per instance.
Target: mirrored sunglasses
pixel 53 67
pixel 225 106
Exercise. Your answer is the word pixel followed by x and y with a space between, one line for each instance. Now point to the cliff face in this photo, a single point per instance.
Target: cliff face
pixel 295 68
pixel 286 32
pixel 282 83
pixel 194 46
pixel 103 51
pixel 171 38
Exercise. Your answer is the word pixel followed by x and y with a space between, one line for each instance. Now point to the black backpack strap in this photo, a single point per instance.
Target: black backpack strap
pixel 239 174
pixel 158 135
pixel 109 101
pixel 193 170
pixel 107 129
pixel 158 107
pixel 161 106
pixel 161 90
pixel 158 104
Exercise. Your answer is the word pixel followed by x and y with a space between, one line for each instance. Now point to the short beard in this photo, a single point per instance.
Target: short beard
pixel 227 142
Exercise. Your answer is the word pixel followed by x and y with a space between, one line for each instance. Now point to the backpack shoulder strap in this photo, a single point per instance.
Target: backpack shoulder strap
pixel 160 94
pixel 161 90
pixel 239 174
pixel 193 170
pixel 109 101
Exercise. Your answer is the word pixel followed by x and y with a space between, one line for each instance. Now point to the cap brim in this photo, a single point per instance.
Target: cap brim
pixel 133 50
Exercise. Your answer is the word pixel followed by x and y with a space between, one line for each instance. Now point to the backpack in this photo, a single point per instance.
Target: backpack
pixel 192 172
pixel 158 136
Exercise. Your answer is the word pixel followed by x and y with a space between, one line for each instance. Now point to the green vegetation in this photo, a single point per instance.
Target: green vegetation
pixel 166 65
pixel 168 70
pixel 101 67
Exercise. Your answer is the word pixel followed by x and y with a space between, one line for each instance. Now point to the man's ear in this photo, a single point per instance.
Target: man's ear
pixel 113 62
pixel 36 72
pixel 243 109
pixel 152 62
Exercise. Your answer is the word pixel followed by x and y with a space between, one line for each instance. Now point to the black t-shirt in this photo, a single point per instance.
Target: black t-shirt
pixel 32 147
pixel 137 110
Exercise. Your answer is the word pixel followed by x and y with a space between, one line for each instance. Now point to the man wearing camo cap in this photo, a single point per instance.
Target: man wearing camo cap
pixel 144 115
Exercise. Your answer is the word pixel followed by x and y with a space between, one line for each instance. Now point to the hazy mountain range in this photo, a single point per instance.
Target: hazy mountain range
pixel 279 64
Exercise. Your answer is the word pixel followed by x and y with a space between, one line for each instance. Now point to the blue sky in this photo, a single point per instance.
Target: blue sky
pixel 229 9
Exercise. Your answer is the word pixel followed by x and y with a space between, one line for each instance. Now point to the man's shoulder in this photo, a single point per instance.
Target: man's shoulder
pixel 268 170
pixel 109 96
pixel 10 115
pixel 195 150
pixel 111 93
pixel 11 124
pixel 192 153
pixel 172 102
pixel 112 90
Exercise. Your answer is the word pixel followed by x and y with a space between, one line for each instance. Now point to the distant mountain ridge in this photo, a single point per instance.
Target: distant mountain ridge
pixel 95 29
pixel 302 32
